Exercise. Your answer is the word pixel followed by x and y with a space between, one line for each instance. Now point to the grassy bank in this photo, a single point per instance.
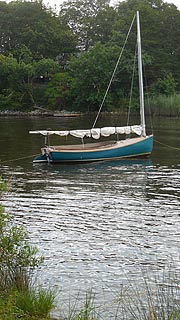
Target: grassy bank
pixel 152 300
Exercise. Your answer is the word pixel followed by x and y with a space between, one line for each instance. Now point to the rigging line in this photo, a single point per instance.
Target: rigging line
pixel 34 155
pixel 166 145
pixel 110 82
pixel 148 101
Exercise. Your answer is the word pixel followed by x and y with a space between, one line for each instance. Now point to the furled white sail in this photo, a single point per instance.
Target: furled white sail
pixel 80 133
pixel 107 131
pixel 95 133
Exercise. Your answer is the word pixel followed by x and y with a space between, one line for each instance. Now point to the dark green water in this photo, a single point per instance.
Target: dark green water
pixel 16 142
pixel 97 225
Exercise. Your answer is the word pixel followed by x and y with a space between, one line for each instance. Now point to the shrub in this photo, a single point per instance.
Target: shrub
pixel 18 298
pixel 17 258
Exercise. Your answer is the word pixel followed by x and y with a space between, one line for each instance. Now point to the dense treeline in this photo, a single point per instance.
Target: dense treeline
pixel 64 60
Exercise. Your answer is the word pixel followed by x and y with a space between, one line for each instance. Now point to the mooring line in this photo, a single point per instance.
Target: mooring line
pixel 166 145
pixel 17 159
pixel 34 155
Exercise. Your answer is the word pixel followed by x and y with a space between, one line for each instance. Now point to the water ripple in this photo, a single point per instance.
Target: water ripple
pixel 97 225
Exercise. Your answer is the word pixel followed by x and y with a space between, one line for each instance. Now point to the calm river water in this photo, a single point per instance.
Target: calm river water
pixel 98 225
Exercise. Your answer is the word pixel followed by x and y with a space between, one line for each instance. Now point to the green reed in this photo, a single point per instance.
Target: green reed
pixel 153 297
pixel 34 302
pixel 156 298
pixel 82 309
pixel 162 105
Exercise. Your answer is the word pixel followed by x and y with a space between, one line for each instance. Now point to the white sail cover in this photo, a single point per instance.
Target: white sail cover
pixel 80 133
pixel 95 133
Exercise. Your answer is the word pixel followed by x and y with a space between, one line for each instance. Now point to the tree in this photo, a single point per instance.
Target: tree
pixel 91 74
pixel 90 20
pixel 20 82
pixel 166 86
pixel 66 61
pixel 103 23
pixel 31 25
pixel 59 92
pixel 160 25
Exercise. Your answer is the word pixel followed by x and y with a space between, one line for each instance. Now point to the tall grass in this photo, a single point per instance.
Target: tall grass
pixel 162 105
pixel 157 298
pixel 34 302
pixel 87 310
pixel 152 298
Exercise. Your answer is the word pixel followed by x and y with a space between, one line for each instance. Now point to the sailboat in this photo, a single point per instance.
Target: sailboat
pixel 136 146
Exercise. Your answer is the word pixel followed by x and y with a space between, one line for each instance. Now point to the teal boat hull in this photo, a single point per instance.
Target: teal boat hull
pixel 129 149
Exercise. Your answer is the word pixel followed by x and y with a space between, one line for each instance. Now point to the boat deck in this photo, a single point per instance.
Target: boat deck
pixel 94 146
pixel 87 146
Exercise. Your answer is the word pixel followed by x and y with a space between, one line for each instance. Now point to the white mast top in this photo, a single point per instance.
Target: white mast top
pixel 141 89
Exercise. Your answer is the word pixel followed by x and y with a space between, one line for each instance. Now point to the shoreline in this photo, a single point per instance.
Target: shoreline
pixel 39 114
pixel 56 113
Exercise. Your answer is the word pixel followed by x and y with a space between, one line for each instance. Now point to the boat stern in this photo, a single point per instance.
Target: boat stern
pixel 42 158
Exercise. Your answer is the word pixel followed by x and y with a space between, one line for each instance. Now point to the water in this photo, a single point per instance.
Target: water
pixel 98 225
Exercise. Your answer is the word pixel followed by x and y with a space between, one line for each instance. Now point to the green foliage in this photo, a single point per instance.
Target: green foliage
pixel 7 309
pixel 91 74
pixel 17 258
pixel 38 302
pixel 3 185
pixel 34 304
pixel 59 92
pixel 45 67
pixel 65 61
pixel 163 105
pixel 159 21
pixel 91 21
pixel 20 82
pixel 34 28
pixel 166 86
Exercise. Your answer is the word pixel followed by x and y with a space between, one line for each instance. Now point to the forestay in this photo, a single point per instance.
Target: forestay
pixel 95 133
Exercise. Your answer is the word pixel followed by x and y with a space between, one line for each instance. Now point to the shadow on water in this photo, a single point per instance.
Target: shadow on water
pixel 101 165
